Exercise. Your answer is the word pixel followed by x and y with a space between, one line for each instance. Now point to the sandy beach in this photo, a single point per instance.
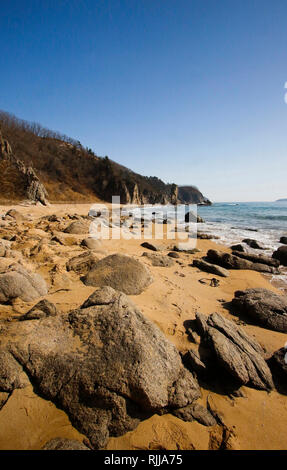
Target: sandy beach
pixel 255 420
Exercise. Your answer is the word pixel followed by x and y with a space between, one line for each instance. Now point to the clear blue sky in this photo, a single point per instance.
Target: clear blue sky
pixel 190 91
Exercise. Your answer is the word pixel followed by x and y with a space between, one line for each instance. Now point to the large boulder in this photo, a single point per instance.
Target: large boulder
pixel 228 261
pixel 264 307
pixel 281 255
pixel 121 272
pixel 18 282
pixel 279 358
pixel 283 240
pixel 239 354
pixel 191 217
pixel 107 366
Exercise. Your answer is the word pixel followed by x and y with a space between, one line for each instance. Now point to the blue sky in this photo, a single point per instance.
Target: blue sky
pixel 190 91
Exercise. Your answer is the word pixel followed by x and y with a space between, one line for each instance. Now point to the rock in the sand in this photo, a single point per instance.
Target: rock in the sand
pixel 258 258
pixel 82 263
pixel 12 375
pixel 173 254
pixel 253 244
pixel 16 215
pixel 107 366
pixel 92 244
pixel 281 255
pixel 238 248
pixel 193 361
pixel 64 444
pixel 152 246
pixel 159 260
pixel 228 261
pixel 77 228
pixel 196 412
pixel 280 360
pixel 121 272
pixel 210 268
pixel 264 306
pixel 42 309
pixel 283 240
pixel 18 282
pixel 239 354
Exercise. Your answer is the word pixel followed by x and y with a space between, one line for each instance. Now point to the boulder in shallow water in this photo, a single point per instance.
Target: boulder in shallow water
pixel 281 255
pixel 253 243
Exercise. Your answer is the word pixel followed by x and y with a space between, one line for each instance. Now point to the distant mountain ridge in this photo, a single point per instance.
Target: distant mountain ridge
pixel 68 172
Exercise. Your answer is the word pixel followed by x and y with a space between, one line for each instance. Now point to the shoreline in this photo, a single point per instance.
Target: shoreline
pixel 257 418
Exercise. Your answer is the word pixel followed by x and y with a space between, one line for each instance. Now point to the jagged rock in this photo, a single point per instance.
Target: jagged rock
pixel 264 306
pixel 228 261
pixel 210 268
pixel 281 255
pixel 196 412
pixel 159 260
pixel 17 282
pixel 77 228
pixel 42 309
pixel 107 366
pixel 83 263
pixel 120 272
pixel 283 240
pixel 239 354
pixel 92 244
pixel 280 359
pixel 238 248
pixel 253 244
pixel 64 444
pixel 11 373
pixel 64 240
pixel 193 361
pixel 152 246
pixel 257 258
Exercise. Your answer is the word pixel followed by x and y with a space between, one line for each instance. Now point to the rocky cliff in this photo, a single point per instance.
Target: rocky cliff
pixel 192 195
pixel 16 180
pixel 35 160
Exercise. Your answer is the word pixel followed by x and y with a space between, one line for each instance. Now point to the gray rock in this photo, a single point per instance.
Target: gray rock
pixel 239 354
pixel 195 412
pixel 121 272
pixel 228 261
pixel 257 258
pixel 17 282
pixel 281 255
pixel 77 228
pixel 64 444
pixel 238 248
pixel 152 246
pixel 12 375
pixel 83 263
pixel 42 309
pixel 159 260
pixel 253 244
pixel 264 306
pixel 173 254
pixel 107 366
pixel 280 359
pixel 283 240
pixel 210 268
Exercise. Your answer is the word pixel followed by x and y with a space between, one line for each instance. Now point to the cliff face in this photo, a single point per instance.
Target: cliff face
pixel 16 180
pixel 34 161
pixel 192 195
